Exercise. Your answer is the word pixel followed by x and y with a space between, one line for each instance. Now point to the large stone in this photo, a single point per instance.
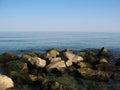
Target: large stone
pixel 8 56
pixel 88 73
pixel 103 61
pixel 104 53
pixel 14 68
pixel 5 82
pixel 52 53
pixel 69 63
pixel 91 58
pixel 104 67
pixel 38 62
pixel 55 59
pixel 58 65
pixel 84 65
pixel 68 55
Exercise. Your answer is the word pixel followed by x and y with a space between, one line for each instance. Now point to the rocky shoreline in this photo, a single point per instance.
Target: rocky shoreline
pixel 56 70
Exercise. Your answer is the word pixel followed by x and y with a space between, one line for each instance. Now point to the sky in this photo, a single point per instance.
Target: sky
pixel 60 15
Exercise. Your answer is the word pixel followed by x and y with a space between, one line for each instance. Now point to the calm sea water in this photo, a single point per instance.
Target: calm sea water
pixel 41 41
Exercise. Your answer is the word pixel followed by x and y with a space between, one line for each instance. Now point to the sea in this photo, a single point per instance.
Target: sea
pixel 20 42
pixel 41 41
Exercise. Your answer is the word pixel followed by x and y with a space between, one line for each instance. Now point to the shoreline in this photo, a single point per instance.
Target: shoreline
pixel 32 67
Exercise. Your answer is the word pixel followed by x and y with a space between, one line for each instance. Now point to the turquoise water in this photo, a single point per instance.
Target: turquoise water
pixel 41 41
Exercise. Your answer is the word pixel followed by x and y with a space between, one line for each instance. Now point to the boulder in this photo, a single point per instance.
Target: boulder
pixel 6 82
pixel 116 76
pixel 68 55
pixel 88 73
pixel 103 61
pixel 37 62
pixel 69 63
pixel 91 58
pixel 8 56
pixel 84 65
pixel 14 68
pixel 55 59
pixel 52 53
pixel 58 66
pixel 105 67
pixel 104 53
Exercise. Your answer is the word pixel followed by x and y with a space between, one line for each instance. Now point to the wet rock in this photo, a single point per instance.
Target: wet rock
pixel 58 66
pixel 52 53
pixel 88 73
pixel 8 56
pixel 116 76
pixel 6 82
pixel 37 62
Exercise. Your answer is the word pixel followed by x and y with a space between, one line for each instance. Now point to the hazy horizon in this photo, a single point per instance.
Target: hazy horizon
pixel 59 15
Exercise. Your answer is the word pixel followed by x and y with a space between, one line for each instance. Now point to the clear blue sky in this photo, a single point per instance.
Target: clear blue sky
pixel 60 15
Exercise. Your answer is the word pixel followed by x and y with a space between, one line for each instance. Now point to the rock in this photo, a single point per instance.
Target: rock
pixel 104 53
pixel 38 62
pixel 55 59
pixel 8 56
pixel 52 53
pixel 88 73
pixel 91 58
pixel 56 66
pixel 14 68
pixel 68 55
pixel 25 58
pixel 103 61
pixel 5 82
pixel 118 62
pixel 105 67
pixel 116 76
pixel 84 65
pixel 68 63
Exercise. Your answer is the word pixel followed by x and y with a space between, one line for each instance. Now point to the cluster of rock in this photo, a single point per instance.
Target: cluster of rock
pixel 34 67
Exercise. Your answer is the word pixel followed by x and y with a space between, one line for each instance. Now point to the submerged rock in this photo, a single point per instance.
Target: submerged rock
pixel 6 82
pixel 88 73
